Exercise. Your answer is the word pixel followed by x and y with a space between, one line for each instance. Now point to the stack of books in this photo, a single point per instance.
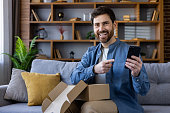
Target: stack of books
pixel 152 0
pixel 125 1
pixel 126 17
pixel 107 0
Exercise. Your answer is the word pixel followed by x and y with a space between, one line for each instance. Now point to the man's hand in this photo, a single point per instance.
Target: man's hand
pixel 103 66
pixel 135 65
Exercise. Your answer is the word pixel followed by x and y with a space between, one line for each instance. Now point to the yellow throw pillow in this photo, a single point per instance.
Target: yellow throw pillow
pixel 39 85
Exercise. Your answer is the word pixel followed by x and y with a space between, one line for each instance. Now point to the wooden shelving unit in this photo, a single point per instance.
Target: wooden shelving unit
pixel 139 21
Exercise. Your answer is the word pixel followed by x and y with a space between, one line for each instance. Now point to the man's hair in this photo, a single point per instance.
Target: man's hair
pixel 103 10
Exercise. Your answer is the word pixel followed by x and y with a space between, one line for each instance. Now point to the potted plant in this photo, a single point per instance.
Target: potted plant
pixel 22 57
pixel 90 35
pixel 143 55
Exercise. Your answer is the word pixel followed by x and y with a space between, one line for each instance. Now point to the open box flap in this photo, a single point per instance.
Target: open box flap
pixel 57 90
pixel 46 103
pixel 74 93
pixel 65 107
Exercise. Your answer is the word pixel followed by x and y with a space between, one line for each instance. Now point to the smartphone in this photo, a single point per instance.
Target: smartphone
pixel 133 50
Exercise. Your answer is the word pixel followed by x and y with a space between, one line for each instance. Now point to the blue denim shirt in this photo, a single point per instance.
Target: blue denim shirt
pixel 123 86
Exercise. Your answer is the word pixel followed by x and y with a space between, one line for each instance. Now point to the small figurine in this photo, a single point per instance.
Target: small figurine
pixel 60 16
pixel 71 54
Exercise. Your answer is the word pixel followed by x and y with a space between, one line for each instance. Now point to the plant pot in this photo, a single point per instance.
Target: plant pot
pixel 143 57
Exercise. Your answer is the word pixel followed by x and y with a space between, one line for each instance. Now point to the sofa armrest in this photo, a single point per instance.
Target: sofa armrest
pixel 3 102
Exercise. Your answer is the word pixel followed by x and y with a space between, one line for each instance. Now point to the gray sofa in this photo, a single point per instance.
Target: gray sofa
pixel 156 101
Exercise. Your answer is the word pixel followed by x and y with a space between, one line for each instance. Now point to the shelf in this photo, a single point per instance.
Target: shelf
pixel 140 40
pixel 89 22
pixel 66 41
pixel 149 40
pixel 75 40
pixel 63 22
pixel 151 60
pixel 137 21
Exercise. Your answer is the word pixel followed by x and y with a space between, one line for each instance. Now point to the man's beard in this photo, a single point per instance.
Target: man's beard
pixel 105 32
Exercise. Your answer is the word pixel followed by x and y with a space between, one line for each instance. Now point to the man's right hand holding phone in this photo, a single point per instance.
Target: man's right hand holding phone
pixel 133 61
pixel 134 64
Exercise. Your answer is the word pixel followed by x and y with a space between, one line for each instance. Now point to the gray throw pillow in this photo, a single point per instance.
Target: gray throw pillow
pixel 16 89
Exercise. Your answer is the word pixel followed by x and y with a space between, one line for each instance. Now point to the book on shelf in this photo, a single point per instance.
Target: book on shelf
pixel 154 53
pixel 54 51
pixel 35 15
pixel 155 15
pixel 49 17
pixel 58 53
pixel 78 36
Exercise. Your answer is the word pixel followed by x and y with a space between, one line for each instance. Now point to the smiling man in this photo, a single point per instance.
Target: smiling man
pixel 105 63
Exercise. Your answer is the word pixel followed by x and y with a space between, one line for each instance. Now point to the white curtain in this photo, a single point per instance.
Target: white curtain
pixel 1 42
pixel 5 40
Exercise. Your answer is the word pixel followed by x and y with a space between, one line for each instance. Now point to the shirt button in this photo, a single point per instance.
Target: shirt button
pixel 137 80
pixel 91 75
pixel 84 79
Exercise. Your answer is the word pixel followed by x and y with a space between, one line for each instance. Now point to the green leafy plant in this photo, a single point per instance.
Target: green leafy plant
pixel 22 57
pixel 90 35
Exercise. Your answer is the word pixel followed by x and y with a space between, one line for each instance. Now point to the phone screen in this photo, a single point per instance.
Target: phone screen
pixel 133 50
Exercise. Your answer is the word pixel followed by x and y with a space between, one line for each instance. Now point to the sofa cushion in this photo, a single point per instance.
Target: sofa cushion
pixel 39 85
pixel 52 67
pixel 159 77
pixel 20 108
pixel 16 89
pixel 156 109
pixel 3 101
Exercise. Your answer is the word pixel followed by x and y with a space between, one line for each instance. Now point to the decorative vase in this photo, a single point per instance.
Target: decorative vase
pixel 62 37
pixel 42 33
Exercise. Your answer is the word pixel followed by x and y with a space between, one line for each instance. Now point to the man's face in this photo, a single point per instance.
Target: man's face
pixel 103 28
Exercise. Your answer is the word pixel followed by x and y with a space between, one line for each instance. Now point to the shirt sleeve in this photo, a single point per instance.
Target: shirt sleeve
pixel 141 83
pixel 84 71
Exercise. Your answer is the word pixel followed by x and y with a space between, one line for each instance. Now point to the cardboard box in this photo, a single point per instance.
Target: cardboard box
pixel 61 97
pixel 95 92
